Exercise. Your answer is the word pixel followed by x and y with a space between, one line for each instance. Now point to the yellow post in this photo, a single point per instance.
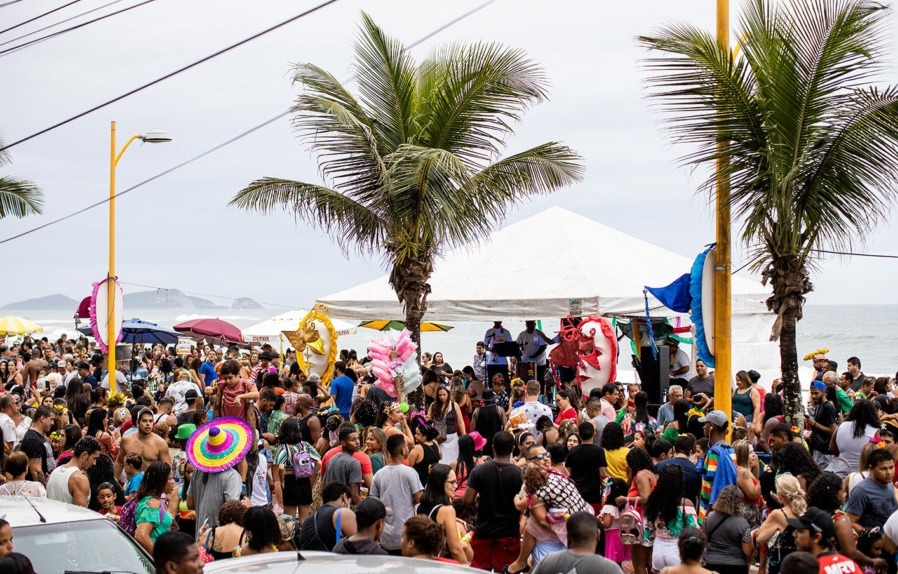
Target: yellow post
pixel 723 367
pixel 110 285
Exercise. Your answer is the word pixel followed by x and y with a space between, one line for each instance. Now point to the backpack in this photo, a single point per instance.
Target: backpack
pixel 303 465
pixel 631 525
pixel 128 517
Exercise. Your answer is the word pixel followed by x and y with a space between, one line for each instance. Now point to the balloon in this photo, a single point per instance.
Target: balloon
pixel 403 407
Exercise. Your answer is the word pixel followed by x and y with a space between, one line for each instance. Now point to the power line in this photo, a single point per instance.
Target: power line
pixel 63 31
pixel 63 21
pixel 170 74
pixel 219 146
pixel 851 254
pixel 39 16
pixel 5 4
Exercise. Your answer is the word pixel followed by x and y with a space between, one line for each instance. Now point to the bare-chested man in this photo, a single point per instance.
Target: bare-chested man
pixel 31 370
pixel 145 442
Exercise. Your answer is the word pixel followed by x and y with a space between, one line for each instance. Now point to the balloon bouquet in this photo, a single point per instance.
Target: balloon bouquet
pixel 395 364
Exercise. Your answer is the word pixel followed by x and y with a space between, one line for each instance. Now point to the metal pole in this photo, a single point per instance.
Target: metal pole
pixel 110 284
pixel 723 399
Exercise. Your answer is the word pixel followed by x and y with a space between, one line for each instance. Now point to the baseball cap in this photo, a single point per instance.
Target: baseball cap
pixel 716 418
pixel 83 365
pixel 191 394
pixel 815 520
pixel 369 511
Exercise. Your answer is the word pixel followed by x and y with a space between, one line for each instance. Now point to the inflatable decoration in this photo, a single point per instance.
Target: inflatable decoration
pixel 315 341
pixel 99 314
pixel 701 312
pixel 820 351
pixel 591 348
pixel 395 364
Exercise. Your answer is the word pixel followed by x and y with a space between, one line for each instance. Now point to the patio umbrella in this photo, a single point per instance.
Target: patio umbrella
pixel 140 331
pixel 11 326
pixel 211 329
pixel 386 325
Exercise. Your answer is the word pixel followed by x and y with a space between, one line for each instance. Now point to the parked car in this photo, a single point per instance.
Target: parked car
pixel 324 562
pixel 59 538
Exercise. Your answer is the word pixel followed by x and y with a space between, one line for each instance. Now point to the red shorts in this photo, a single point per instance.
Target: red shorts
pixel 494 553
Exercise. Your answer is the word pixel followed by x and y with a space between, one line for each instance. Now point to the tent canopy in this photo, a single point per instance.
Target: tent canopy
pixel 589 269
pixel 269 330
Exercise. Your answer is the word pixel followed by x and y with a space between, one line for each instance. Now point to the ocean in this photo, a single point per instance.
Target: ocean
pixel 865 331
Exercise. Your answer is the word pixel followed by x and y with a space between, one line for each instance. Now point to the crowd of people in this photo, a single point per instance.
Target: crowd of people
pixel 228 452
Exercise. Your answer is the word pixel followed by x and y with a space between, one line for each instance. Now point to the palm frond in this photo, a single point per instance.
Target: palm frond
pixel 537 171
pixel 339 131
pixel 347 221
pixel 19 198
pixel 473 93
pixel 385 74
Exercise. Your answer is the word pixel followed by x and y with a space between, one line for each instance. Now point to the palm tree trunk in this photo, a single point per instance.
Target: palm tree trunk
pixel 409 280
pixel 789 278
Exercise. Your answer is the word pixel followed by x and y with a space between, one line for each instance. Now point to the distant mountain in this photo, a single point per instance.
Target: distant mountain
pixel 49 302
pixel 165 299
pixel 245 303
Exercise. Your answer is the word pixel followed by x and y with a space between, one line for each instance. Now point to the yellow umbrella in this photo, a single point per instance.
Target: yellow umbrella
pixel 10 326
pixel 386 325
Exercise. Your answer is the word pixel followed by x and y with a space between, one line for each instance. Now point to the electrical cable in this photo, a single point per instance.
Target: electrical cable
pixel 193 64
pixel 39 16
pixel 8 51
pixel 217 147
pixel 63 21
pixel 5 4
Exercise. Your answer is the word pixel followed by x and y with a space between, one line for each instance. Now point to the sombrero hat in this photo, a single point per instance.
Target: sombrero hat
pixel 219 445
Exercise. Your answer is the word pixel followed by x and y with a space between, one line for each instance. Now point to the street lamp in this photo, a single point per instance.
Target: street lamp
pixel 153 136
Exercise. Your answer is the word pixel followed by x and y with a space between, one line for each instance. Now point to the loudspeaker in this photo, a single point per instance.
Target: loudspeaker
pixel 654 373
pixel 122 353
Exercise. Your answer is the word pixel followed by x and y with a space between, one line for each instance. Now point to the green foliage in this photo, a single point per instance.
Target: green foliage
pixel 18 197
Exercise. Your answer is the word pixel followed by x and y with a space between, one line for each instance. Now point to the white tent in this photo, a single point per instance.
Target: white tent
pixel 269 331
pixel 555 263
pixel 544 266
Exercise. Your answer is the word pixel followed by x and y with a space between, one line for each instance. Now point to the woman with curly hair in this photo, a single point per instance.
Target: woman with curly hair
pixel 436 504
pixel 850 437
pixel 791 495
pixel 667 513
pixel 423 538
pixel 615 452
pixel 828 493
pixel 794 459
pixel 262 530
pixel 641 479
pixel 729 535
pixel 545 498
pixel 223 541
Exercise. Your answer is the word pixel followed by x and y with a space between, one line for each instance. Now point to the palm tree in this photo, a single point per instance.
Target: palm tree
pixel 811 144
pixel 18 197
pixel 413 161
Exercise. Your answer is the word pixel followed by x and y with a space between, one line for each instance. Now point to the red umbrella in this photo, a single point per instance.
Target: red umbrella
pixel 211 329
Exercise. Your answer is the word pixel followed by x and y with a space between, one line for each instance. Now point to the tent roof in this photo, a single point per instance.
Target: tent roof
pixel 269 330
pixel 541 267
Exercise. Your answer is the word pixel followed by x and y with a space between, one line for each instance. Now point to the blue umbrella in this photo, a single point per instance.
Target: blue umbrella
pixel 140 331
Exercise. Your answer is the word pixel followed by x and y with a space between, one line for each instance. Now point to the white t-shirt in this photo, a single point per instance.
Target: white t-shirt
pixel 533 411
pixel 177 392
pixel 679 360
pixel 260 483
pixel 8 428
pixel 120 379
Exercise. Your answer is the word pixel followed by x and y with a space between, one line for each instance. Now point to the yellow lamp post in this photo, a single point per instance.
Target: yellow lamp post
pixel 153 136
pixel 723 367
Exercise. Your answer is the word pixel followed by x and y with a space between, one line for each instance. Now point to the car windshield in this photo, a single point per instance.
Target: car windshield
pixel 91 545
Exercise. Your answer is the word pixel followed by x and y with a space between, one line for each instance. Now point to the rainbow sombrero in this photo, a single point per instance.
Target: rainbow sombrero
pixel 219 445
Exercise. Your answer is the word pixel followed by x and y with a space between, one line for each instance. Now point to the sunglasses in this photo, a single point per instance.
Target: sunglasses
pixel 540 456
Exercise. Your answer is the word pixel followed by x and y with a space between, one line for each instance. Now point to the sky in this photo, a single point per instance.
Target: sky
pixel 178 231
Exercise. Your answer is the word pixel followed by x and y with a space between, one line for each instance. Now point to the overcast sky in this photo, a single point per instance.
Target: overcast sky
pixel 178 231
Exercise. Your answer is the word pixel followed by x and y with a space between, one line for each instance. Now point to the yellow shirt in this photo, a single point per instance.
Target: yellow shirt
pixel 617 463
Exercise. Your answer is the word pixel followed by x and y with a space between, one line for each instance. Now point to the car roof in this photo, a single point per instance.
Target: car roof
pixel 313 562
pixel 17 511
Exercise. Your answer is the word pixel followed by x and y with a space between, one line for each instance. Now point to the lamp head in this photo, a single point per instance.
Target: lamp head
pixel 155 136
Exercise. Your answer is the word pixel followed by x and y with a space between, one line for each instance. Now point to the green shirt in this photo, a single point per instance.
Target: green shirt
pixel 845 402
